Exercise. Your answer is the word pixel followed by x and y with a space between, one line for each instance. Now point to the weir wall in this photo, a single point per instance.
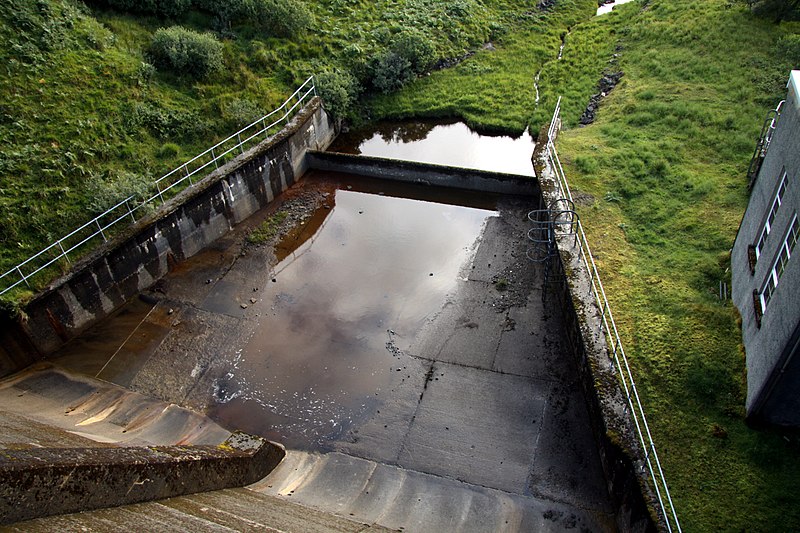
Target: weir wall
pixel 118 270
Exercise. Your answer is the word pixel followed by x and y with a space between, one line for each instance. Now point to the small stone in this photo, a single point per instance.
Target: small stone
pixel 255 289
pixel 349 187
pixel 252 300
pixel 208 281
pixel 243 306
pixel 170 311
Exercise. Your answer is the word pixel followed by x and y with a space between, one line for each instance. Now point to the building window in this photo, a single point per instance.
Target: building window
pixel 783 256
pixel 773 211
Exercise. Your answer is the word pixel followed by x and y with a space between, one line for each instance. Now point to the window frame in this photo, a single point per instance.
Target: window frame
pixel 777 200
pixel 782 257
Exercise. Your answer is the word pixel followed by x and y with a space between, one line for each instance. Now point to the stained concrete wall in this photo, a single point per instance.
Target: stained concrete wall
pixel 115 272
pixel 423 173
pixel 621 455
pixel 44 482
pixel 773 372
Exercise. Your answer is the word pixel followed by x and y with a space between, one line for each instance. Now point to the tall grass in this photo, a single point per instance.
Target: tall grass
pixel 664 168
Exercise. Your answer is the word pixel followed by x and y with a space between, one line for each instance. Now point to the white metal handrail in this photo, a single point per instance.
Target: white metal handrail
pixel 168 183
pixel 652 461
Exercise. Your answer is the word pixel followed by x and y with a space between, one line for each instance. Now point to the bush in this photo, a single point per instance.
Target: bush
pixel 390 71
pixel 107 191
pixel 416 49
pixel 241 112
pixel 279 18
pixel 186 52
pixel 409 55
pixel 168 151
pixel 339 91
pixel 161 8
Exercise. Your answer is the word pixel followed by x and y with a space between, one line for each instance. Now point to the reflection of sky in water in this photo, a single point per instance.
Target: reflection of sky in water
pixel 319 355
pixel 608 7
pixel 457 145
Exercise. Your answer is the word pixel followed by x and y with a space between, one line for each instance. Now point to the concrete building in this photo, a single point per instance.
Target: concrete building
pixel 765 266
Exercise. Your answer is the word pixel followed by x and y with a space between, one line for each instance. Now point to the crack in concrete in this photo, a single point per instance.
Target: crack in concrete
pixel 428 377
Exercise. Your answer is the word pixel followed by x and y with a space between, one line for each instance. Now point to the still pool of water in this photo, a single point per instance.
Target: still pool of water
pixel 606 8
pixel 325 346
pixel 444 144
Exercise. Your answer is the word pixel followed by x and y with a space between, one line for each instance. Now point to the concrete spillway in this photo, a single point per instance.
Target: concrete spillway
pixel 396 339
pixel 386 339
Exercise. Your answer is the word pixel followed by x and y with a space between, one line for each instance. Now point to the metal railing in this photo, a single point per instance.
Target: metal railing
pixel 762 145
pixel 167 186
pixel 652 462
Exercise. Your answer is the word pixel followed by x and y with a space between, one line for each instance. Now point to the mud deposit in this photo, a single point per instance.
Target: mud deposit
pixel 451 144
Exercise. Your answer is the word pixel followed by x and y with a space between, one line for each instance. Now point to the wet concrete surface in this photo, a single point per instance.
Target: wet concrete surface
pixel 449 143
pixel 395 328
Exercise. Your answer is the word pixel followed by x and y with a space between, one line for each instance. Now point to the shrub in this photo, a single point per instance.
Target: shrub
pixel 280 18
pixel 788 48
pixel 168 151
pixel 106 191
pixel 241 112
pixel 417 49
pixel 409 55
pixel 161 8
pixel 186 52
pixel 390 71
pixel 339 91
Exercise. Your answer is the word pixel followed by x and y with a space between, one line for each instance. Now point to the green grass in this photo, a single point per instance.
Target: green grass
pixel 268 229
pixel 665 164
pixel 82 110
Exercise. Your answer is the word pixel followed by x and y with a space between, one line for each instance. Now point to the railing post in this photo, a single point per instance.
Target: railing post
pixel 186 169
pixel 23 277
pixel 130 212
pixel 97 221
pixel 239 138
pixel 63 253
pixel 214 158
pixel 158 186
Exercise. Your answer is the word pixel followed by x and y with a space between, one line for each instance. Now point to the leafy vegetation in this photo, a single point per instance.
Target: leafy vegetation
pixel 663 169
pixel 95 93
pixel 186 52
pixel 268 229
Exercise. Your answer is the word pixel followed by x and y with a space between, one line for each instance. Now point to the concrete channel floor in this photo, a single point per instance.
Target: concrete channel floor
pixel 483 424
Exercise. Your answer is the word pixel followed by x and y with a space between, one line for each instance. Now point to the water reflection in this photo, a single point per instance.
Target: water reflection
pixel 372 273
pixel 445 144
pixel 606 8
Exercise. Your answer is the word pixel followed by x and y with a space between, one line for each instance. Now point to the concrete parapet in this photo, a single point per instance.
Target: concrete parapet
pixel 622 457
pixel 113 273
pixel 44 482
pixel 423 173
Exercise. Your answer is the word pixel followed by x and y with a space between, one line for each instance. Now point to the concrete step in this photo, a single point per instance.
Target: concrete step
pixel 100 411
pixel 224 510
pixel 398 498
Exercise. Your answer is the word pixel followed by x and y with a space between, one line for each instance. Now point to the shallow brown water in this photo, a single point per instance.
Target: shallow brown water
pixel 451 144
pixel 330 325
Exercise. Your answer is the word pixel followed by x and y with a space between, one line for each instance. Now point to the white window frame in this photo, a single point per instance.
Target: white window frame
pixel 782 257
pixel 773 212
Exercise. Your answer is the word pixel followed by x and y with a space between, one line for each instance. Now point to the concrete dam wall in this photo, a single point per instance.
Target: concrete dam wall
pixel 117 271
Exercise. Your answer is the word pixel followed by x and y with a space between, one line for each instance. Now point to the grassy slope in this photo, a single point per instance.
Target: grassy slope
pixel 661 174
pixel 81 117
pixel 664 165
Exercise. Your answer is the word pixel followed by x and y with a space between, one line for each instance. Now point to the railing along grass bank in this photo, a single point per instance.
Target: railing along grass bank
pixel 50 261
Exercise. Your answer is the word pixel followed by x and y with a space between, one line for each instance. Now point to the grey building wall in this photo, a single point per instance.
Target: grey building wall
pixel 773 375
